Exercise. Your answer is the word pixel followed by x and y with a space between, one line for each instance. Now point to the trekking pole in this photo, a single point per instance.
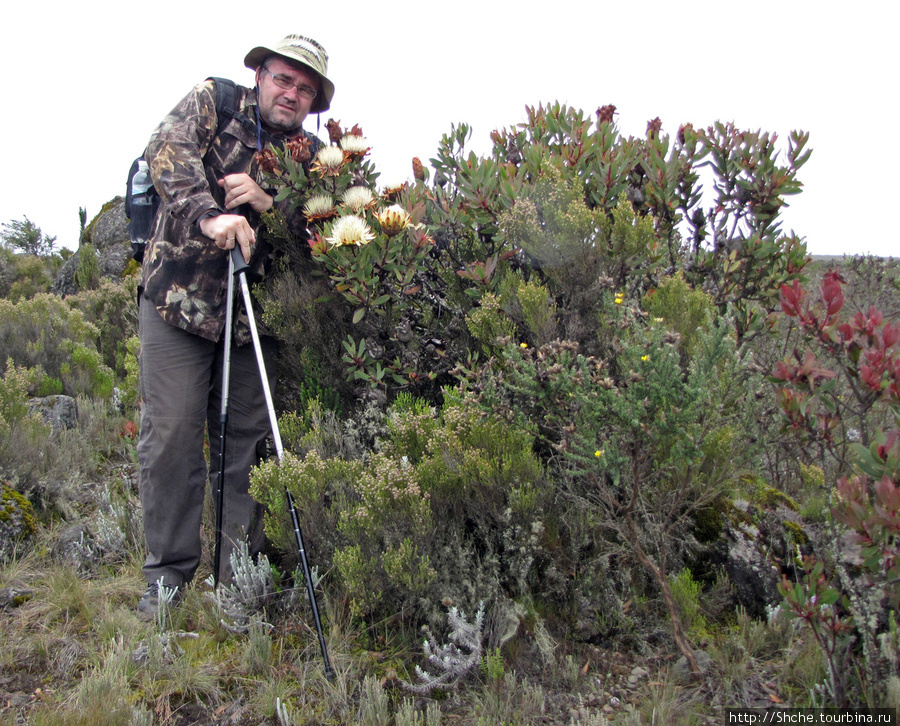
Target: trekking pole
pixel 310 590
pixel 223 420
pixel 238 265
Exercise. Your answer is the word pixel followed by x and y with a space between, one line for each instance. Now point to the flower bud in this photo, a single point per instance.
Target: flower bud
pixel 393 220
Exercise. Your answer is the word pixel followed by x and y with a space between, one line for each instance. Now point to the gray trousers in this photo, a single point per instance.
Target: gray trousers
pixel 181 391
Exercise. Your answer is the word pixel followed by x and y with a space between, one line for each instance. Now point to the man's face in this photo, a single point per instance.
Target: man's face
pixel 284 109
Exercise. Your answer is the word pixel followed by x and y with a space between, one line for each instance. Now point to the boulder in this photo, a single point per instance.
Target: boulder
pixel 748 543
pixel 64 284
pixel 681 671
pixel 753 576
pixel 72 544
pixel 108 234
pixel 61 412
pixel 109 229
pixel 17 522
pixel 13 597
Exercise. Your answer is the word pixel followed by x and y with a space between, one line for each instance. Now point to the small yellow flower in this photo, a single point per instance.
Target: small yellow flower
pixel 523 345
pixel 645 357
pixel 598 453
pixel 620 298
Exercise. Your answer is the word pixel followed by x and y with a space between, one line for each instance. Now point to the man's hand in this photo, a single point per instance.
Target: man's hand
pixel 241 189
pixel 226 230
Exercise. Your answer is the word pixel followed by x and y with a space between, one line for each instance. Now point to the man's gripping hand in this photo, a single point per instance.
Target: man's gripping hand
pixel 241 189
pixel 227 230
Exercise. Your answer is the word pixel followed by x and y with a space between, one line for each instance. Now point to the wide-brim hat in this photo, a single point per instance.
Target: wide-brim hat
pixel 303 50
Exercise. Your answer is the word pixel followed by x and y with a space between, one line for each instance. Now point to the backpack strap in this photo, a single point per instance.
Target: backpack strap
pixel 226 105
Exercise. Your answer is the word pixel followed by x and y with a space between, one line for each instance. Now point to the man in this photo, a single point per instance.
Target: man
pixel 211 199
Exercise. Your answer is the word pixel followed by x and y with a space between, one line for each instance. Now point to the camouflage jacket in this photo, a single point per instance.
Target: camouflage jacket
pixel 184 273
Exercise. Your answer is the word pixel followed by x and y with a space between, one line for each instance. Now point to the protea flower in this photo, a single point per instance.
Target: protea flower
pixel 319 206
pixel 350 230
pixel 393 191
pixel 329 161
pixel 418 169
pixel 605 114
pixel 358 199
pixel 393 220
pixel 334 130
pixel 267 161
pixel 354 145
pixel 299 149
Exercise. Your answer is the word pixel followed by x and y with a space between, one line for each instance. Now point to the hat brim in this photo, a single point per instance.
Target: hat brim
pixel 254 59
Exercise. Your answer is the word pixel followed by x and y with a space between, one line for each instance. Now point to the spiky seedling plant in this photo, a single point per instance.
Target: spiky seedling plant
pixel 164 648
pixel 252 586
pixel 407 715
pixel 285 713
pixel 118 533
pixel 166 596
pixel 374 704
pixel 452 660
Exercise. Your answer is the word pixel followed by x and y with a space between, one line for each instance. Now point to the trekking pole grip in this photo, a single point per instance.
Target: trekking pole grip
pixel 237 258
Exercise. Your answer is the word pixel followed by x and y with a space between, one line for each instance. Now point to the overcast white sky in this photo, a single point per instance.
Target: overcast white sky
pixel 86 83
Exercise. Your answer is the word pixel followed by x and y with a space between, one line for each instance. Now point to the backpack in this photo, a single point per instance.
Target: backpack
pixel 141 197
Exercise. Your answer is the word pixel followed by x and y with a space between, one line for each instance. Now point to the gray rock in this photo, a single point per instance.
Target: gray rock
pixel 681 671
pixel 108 234
pixel 746 555
pixel 61 412
pixel 17 523
pixel 13 597
pixel 110 228
pixel 69 545
pixel 637 673
pixel 65 284
pixel 754 577
pixel 114 260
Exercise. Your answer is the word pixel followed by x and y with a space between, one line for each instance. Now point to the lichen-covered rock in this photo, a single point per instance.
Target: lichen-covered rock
pixel 753 576
pixel 61 412
pixel 17 522
pixel 65 284
pixel 114 260
pixel 681 671
pixel 109 229
pixel 13 597
pixel 72 544
pixel 108 234
pixel 751 545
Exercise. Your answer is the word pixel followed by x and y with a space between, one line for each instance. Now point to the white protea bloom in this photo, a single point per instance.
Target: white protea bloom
pixel 355 144
pixel 329 160
pixel 319 206
pixel 358 199
pixel 350 230
pixel 393 220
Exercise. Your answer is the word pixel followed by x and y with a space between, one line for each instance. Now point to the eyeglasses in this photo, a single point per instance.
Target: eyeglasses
pixel 283 81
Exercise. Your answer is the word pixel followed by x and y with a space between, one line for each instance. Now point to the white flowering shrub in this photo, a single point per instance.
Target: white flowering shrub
pixel 448 507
